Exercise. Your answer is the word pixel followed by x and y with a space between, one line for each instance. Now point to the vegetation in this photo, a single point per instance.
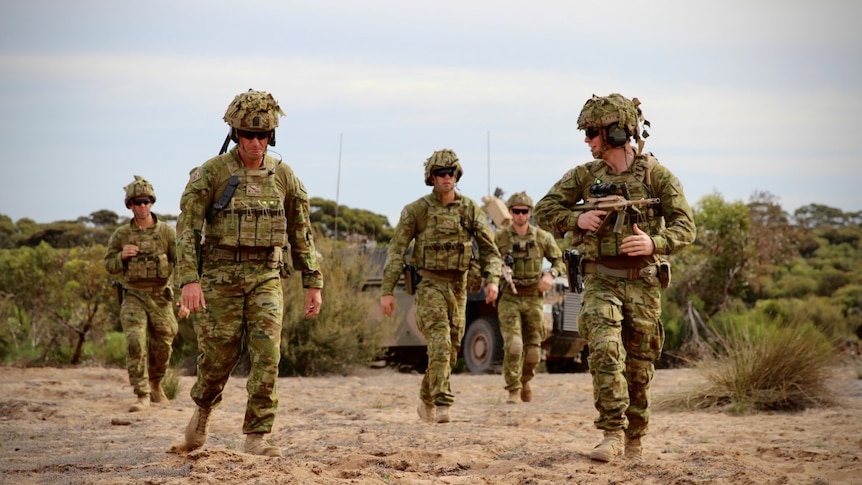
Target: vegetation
pixel 757 282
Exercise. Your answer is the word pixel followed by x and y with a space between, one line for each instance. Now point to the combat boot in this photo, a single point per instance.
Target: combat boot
pixel 142 403
pixel 256 445
pixel 514 396
pixel 443 414
pixel 427 412
pixel 197 429
pixel 157 393
pixel 526 392
pixel 634 451
pixel 610 447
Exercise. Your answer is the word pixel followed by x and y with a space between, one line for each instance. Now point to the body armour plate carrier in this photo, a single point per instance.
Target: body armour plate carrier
pixel 151 264
pixel 255 216
pixel 527 256
pixel 444 242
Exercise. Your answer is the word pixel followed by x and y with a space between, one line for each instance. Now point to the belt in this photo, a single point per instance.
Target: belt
pixel 627 273
pixel 154 289
pixel 450 276
pixel 251 254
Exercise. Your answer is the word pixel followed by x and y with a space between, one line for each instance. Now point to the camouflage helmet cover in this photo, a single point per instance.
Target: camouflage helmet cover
pixel 139 188
pixel 520 199
pixel 253 111
pixel 442 159
pixel 602 111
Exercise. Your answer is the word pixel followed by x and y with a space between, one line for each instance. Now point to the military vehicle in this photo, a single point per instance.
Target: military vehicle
pixel 563 350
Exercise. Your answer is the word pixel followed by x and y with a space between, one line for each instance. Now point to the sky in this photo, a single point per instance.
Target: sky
pixel 743 96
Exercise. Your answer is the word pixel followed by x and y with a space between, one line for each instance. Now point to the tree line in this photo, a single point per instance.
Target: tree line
pixel 750 260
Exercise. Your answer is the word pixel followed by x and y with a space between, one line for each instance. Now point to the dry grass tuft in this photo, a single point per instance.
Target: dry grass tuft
pixel 762 367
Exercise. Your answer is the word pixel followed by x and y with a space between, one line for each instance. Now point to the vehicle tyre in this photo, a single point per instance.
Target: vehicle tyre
pixel 482 346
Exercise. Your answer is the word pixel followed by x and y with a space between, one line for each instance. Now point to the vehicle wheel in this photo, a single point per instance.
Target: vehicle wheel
pixel 482 346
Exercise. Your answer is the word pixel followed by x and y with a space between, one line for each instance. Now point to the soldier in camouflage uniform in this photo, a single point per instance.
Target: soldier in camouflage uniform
pixel 521 314
pixel 254 212
pixel 442 224
pixel 623 271
pixel 144 253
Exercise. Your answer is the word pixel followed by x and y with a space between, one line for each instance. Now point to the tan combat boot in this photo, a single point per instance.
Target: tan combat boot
pixel 426 412
pixel 634 451
pixel 157 393
pixel 142 403
pixel 197 429
pixel 610 447
pixel 443 414
pixel 526 392
pixel 256 445
pixel 514 396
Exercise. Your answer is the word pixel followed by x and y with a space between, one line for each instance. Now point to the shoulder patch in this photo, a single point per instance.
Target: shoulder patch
pixel 195 174
pixel 568 175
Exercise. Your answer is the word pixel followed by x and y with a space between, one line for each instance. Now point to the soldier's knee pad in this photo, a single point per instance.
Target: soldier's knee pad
pixel 606 355
pixel 639 371
pixel 533 354
pixel 516 346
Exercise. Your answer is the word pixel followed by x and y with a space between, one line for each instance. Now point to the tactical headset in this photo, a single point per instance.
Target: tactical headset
pixel 616 135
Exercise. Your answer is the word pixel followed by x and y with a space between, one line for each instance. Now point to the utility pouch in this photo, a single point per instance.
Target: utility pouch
pixel 664 273
pixel 169 293
pixel 274 260
pixel 649 274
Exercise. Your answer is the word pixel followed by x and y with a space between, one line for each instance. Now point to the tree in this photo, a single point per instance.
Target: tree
pixel 348 221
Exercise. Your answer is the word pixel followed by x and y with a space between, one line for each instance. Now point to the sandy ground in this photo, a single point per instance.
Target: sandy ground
pixel 71 426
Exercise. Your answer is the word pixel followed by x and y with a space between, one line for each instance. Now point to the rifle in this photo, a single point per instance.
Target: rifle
pixel 508 261
pixel 120 290
pixel 573 270
pixel 618 204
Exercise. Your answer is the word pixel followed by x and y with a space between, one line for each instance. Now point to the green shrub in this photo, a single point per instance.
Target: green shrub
pixel 759 364
pixel 111 352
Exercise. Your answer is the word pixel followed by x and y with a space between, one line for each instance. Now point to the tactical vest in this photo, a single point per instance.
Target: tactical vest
pixel 444 237
pixel 150 265
pixel 526 253
pixel 255 216
pixel 606 243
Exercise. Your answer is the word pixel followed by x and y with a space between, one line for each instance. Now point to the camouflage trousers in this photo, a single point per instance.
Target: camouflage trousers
pixel 150 326
pixel 621 320
pixel 441 317
pixel 522 323
pixel 245 305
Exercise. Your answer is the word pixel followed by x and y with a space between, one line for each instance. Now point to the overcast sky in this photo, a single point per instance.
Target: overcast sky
pixel 743 96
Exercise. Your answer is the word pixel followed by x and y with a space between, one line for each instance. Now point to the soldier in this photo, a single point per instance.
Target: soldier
pixel 251 206
pixel 521 314
pixel 144 253
pixel 442 224
pixel 623 271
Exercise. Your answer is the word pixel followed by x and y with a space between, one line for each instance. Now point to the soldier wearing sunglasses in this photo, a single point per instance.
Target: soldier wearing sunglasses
pixel 522 321
pixel 143 252
pixel 442 225
pixel 624 265
pixel 252 208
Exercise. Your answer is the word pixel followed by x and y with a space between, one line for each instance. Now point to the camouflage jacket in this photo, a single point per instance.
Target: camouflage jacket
pixel 671 226
pixel 162 237
pixel 207 183
pixel 528 251
pixel 413 224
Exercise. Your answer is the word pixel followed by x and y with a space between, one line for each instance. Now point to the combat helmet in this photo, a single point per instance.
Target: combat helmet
pixel 520 198
pixel 253 111
pixel 606 111
pixel 442 159
pixel 139 188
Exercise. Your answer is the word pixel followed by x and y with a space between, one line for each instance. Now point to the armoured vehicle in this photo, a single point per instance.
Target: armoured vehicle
pixel 563 350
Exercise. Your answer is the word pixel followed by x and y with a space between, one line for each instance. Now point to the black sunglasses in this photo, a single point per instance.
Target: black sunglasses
pixel 141 201
pixel 442 172
pixel 260 135
pixel 592 132
pixel 520 211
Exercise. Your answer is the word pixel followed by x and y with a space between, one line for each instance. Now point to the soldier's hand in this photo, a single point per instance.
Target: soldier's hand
pixel 546 281
pixel 193 297
pixel 184 310
pixel 638 244
pixel 491 293
pixel 129 250
pixel 387 304
pixel 313 302
pixel 591 220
